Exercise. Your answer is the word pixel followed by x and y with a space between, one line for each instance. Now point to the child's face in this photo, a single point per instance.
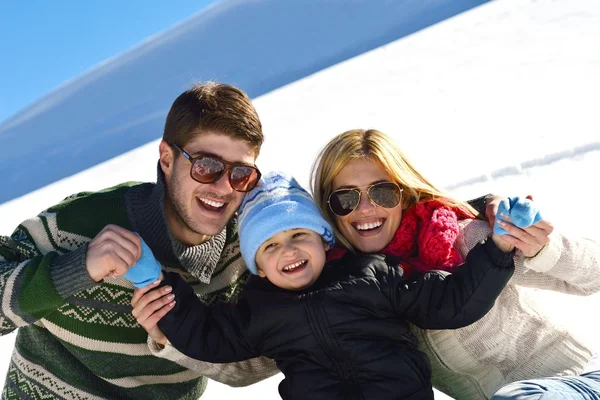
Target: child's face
pixel 292 259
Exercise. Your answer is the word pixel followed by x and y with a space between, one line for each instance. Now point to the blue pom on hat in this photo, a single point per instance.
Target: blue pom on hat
pixel 522 212
pixel 146 270
pixel 277 204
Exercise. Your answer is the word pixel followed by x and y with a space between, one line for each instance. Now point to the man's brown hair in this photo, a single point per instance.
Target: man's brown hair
pixel 217 107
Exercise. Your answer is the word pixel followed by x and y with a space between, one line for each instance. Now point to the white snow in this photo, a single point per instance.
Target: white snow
pixel 256 45
pixel 502 99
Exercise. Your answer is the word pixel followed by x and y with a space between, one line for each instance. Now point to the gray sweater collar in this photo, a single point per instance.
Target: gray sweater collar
pixel 145 208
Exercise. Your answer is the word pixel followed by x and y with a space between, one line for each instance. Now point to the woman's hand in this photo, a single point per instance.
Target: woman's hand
pixel 530 241
pixel 149 306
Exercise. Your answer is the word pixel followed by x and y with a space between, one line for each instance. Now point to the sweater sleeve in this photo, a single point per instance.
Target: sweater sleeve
pixel 236 374
pixel 208 333
pixel 567 264
pixel 37 274
pixel 438 300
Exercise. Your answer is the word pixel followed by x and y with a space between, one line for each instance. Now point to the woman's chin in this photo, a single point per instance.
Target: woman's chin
pixel 370 246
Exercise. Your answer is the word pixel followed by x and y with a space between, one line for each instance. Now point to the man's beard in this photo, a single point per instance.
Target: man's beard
pixel 178 210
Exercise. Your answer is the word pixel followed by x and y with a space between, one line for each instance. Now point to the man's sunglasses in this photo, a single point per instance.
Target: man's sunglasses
pixel 209 169
pixel 384 194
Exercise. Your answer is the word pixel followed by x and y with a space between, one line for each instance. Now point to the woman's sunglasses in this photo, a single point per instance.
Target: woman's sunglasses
pixel 209 169
pixel 384 194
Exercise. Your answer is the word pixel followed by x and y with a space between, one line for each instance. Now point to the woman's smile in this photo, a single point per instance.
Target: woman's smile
pixel 369 228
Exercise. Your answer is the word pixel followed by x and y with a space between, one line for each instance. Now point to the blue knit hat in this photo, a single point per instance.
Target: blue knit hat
pixel 277 204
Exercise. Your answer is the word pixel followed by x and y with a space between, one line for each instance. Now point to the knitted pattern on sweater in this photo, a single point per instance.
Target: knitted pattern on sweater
pixel 514 341
pixel 76 338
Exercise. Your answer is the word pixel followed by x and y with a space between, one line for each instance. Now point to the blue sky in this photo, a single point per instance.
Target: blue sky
pixel 44 43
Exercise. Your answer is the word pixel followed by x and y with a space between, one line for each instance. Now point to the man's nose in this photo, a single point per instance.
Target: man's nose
pixel 222 185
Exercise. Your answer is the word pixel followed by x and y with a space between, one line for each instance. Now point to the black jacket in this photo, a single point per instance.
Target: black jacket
pixel 347 336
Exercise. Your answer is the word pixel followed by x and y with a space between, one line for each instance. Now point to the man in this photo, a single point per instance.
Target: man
pixel 61 273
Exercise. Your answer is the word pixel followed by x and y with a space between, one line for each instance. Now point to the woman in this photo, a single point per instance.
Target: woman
pixel 352 182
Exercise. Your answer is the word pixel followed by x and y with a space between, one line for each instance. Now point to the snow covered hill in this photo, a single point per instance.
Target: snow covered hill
pixel 501 98
pixel 258 45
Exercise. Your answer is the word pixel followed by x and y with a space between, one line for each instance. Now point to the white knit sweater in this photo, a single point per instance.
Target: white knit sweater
pixel 513 342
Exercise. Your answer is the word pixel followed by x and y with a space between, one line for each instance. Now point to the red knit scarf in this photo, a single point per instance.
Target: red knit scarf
pixel 424 239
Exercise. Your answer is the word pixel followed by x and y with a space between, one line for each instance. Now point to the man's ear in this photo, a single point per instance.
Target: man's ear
pixel 260 272
pixel 166 157
pixel 326 246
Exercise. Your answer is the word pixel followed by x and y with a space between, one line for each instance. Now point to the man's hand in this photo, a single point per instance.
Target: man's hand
pixel 112 252
pixel 149 306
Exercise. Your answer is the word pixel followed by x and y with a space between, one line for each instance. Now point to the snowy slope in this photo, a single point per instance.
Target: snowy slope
pixel 501 98
pixel 258 45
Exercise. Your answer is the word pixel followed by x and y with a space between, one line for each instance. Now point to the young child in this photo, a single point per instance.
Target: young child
pixel 336 331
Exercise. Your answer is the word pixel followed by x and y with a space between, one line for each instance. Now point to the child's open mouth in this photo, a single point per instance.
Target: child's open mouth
pixel 295 267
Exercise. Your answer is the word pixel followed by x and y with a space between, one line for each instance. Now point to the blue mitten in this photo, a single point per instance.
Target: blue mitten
pixel 522 213
pixel 146 270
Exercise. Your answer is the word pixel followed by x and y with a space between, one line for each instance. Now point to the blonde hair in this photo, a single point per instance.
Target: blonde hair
pixel 359 144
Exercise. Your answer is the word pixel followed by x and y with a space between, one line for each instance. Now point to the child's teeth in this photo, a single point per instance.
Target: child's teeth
pixel 293 266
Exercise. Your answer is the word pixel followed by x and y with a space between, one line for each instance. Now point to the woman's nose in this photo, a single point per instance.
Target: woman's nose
pixel 365 204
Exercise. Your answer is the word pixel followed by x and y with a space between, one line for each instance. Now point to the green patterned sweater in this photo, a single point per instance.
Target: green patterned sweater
pixel 77 339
